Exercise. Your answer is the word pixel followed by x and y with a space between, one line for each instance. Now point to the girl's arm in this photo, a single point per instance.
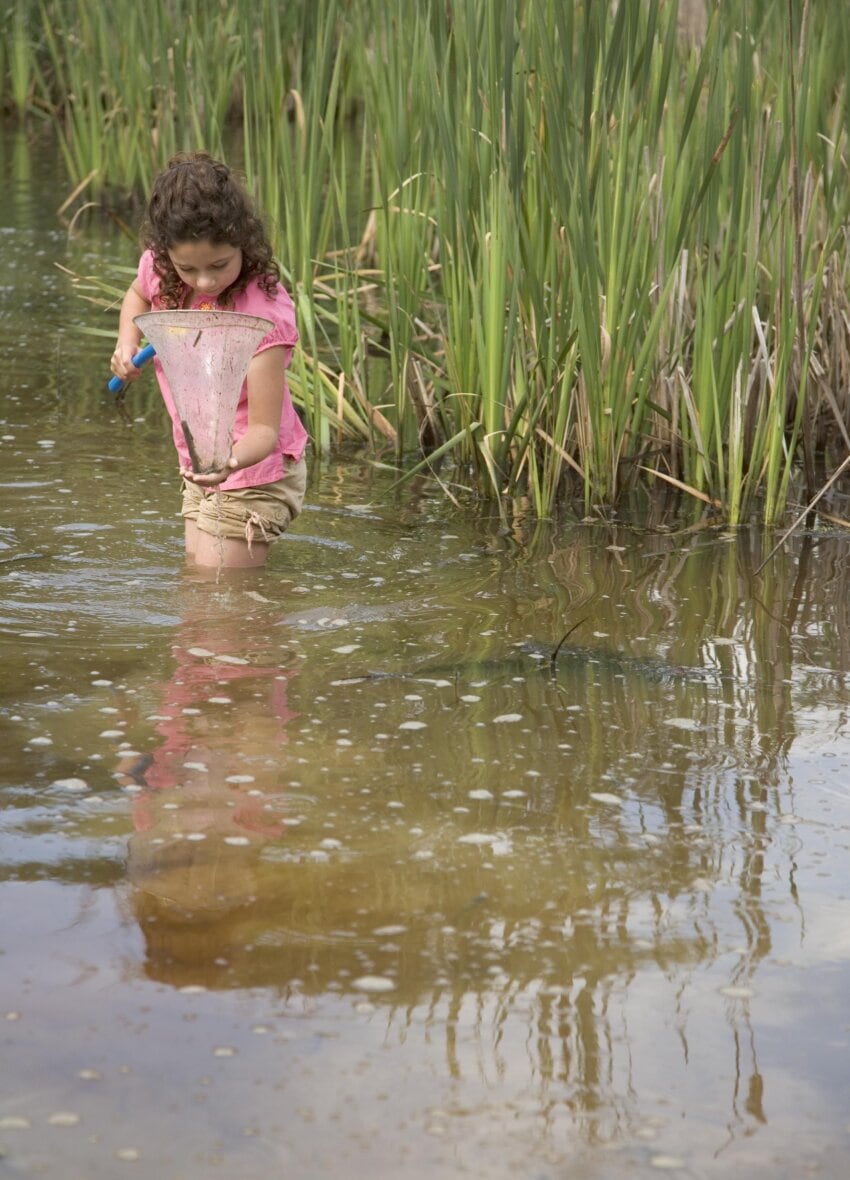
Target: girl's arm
pixel 266 383
pixel 129 336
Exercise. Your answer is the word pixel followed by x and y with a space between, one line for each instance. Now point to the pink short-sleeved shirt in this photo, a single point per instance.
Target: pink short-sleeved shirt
pixel 292 438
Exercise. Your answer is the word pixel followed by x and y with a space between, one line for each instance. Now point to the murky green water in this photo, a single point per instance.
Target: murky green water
pixel 328 871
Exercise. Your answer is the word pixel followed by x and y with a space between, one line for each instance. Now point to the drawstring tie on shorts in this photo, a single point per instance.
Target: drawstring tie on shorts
pixel 255 521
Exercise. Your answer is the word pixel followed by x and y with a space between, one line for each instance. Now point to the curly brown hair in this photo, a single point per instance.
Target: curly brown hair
pixel 198 199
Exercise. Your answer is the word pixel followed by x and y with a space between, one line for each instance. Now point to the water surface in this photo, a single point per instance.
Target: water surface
pixel 331 870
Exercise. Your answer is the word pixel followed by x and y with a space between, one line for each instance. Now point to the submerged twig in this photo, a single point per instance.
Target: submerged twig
pixel 553 659
pixel 838 471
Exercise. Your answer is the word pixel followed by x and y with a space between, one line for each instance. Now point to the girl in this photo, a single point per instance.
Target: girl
pixel 206 249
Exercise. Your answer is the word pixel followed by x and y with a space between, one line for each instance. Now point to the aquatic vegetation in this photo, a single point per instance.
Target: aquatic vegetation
pixel 536 248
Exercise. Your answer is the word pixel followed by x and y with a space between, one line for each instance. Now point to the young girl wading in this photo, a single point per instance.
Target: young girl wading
pixel 205 249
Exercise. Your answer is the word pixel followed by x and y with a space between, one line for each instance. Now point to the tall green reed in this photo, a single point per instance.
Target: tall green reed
pixel 568 232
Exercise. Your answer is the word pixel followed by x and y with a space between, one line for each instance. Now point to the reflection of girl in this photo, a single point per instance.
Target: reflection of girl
pixel 207 250
pixel 210 801
pixel 208 743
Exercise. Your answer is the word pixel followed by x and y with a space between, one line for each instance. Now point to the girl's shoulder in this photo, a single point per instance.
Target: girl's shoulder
pixel 146 276
pixel 277 307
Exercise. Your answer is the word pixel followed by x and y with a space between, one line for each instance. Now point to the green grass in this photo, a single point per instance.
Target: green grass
pixel 551 249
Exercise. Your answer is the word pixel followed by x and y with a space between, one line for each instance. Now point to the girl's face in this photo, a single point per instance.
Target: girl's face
pixel 206 267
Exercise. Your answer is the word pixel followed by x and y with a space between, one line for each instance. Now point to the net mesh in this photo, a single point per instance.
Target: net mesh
pixel 205 356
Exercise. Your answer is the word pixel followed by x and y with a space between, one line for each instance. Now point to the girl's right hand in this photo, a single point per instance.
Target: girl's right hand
pixel 122 362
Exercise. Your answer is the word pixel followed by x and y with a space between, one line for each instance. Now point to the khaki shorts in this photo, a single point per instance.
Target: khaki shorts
pixel 248 514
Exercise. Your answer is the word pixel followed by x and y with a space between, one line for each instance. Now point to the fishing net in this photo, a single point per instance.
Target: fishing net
pixel 205 355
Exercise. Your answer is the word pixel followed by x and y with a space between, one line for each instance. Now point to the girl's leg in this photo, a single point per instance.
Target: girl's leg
pixel 226 552
pixel 192 534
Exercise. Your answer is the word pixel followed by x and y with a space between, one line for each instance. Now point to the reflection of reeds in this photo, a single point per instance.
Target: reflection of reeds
pixel 552 242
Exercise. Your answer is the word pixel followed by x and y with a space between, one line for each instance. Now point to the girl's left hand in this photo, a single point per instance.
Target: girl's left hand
pixel 210 479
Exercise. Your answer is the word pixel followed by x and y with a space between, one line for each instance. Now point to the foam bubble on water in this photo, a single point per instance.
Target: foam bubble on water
pixel 480 793
pixel 14 1122
pixel 63 1118
pixel 224 1051
pixel 507 718
pixel 240 778
pixel 346 649
pixel 470 698
pixel 220 700
pixel 413 725
pixel 373 983
pixel 604 797
pixel 112 733
pixel 237 841
pixel 201 766
pixel 128 1154
pixel 41 741
pixel 70 784
pixel 667 1163
pixel 737 992
pixel 682 723
pixel 479 838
